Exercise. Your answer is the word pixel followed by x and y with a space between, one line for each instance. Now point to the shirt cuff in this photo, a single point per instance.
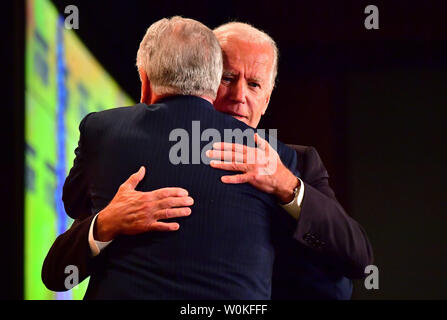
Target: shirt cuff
pixel 96 246
pixel 294 206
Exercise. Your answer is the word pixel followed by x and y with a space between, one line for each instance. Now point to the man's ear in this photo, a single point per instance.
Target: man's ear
pixel 146 90
pixel 267 100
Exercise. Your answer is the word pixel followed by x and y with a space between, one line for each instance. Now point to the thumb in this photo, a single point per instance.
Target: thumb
pixel 261 143
pixel 135 178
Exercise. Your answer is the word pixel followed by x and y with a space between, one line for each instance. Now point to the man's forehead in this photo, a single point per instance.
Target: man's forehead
pixel 233 43
pixel 254 57
pixel 254 54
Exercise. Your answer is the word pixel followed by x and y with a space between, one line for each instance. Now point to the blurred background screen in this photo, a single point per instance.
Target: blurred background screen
pixel 372 102
pixel 63 83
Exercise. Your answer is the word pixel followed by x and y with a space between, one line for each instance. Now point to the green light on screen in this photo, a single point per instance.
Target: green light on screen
pixel 63 83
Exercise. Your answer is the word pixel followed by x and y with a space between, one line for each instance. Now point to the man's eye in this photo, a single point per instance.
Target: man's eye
pixel 254 84
pixel 226 79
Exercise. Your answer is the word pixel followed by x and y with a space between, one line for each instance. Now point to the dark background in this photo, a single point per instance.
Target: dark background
pixel 371 101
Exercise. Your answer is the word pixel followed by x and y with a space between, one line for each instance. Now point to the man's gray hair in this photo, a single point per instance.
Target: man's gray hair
pixel 248 33
pixel 181 56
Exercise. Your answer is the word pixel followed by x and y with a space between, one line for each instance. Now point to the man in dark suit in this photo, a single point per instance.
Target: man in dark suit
pixel 318 246
pixel 224 248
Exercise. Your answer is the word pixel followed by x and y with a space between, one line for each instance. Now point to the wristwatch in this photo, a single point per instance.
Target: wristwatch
pixel 296 192
pixel 292 207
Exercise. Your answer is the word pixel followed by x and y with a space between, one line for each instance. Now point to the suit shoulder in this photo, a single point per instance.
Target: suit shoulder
pixel 309 152
pixel 115 112
pixel 96 123
pixel 309 161
pixel 110 117
pixel 300 149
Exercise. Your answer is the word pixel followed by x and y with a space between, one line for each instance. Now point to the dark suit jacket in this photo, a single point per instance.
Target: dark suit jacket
pixel 222 251
pixel 314 257
pixel 317 256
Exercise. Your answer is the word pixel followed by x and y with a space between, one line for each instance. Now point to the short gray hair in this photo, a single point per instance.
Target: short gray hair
pixel 181 56
pixel 248 33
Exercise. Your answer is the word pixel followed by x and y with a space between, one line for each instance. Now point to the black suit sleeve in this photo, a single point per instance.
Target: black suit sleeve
pixel 75 190
pixel 70 248
pixel 323 225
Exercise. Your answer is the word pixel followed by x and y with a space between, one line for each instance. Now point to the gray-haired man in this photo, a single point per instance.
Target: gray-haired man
pixel 223 249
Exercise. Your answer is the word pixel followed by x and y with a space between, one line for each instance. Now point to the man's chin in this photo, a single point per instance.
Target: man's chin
pixel 243 119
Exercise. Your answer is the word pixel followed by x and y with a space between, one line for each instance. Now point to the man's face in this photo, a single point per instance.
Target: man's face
pixel 244 91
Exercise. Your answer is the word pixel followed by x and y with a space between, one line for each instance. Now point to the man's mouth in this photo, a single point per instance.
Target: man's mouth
pixel 237 115
pixel 240 118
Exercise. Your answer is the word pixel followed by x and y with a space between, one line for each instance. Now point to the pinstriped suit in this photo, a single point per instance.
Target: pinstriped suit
pixel 222 251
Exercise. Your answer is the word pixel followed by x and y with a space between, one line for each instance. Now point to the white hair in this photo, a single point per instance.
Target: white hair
pixel 248 33
pixel 181 56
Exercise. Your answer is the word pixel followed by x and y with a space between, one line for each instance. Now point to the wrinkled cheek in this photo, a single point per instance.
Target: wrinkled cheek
pixel 221 107
pixel 254 119
pixel 219 103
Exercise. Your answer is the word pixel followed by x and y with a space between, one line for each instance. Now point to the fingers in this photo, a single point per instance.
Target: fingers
pixel 235 152
pixel 236 179
pixel 168 214
pixel 173 202
pixel 225 155
pixel 229 146
pixel 261 143
pixel 172 213
pixel 164 226
pixel 230 166
pixel 134 179
pixel 165 193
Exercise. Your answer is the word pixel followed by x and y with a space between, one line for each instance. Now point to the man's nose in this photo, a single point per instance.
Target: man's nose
pixel 238 92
